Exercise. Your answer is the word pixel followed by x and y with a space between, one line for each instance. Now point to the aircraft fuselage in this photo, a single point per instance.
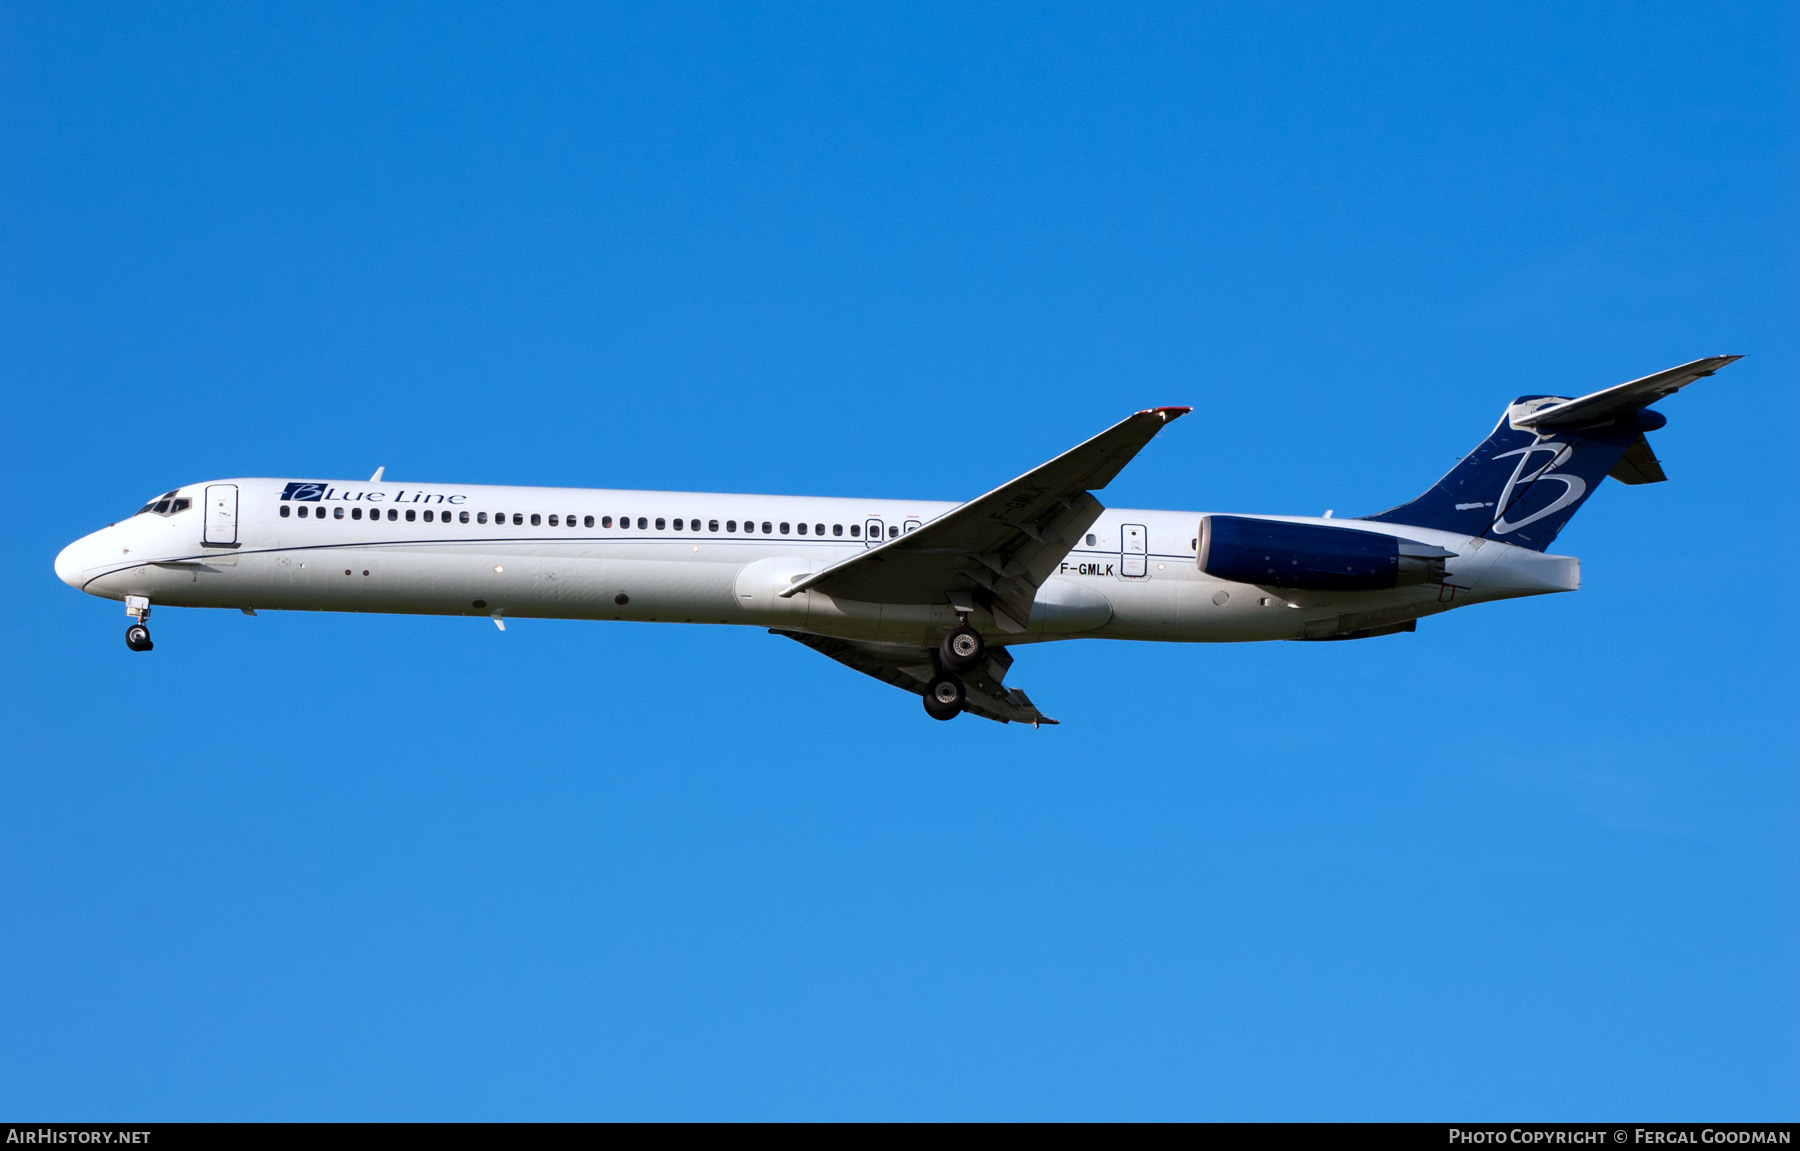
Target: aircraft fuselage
pixel 674 557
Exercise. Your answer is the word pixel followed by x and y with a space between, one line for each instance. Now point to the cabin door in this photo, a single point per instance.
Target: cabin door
pixel 221 516
pixel 1134 551
pixel 873 531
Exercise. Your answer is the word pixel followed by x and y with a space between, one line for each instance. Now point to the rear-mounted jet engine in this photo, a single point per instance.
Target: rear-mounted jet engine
pixel 1274 553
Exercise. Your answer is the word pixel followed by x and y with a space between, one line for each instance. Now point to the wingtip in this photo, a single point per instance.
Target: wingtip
pixel 1167 414
pixel 1717 362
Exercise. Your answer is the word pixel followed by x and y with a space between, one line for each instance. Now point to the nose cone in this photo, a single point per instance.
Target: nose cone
pixel 75 561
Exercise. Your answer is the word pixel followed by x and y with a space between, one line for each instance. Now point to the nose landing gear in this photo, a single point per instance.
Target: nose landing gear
pixel 137 636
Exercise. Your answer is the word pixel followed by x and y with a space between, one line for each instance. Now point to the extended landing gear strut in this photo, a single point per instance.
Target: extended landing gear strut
pixel 137 636
pixel 962 650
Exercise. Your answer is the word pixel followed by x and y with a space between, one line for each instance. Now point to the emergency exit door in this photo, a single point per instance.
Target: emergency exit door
pixel 221 516
pixel 1134 551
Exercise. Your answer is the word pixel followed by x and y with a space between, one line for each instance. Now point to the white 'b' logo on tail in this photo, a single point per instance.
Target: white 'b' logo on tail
pixel 1574 487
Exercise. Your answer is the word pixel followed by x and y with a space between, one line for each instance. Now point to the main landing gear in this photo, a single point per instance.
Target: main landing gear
pixel 137 636
pixel 944 697
pixel 961 650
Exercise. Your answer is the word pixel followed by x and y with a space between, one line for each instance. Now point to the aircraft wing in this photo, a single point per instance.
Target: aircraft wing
pixel 997 549
pixel 911 669
pixel 1626 397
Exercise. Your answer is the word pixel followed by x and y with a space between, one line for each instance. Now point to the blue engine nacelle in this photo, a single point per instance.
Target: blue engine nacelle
pixel 1313 557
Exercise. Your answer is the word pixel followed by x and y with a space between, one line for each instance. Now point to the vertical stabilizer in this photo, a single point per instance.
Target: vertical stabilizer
pixel 1546 457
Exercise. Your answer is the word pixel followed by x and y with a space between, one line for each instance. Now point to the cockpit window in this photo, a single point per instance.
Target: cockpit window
pixel 167 504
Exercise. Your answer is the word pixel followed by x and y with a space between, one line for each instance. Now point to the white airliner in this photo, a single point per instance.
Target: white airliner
pixel 928 596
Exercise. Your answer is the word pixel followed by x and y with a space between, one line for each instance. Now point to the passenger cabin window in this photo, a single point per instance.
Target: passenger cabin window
pixel 285 513
pixel 462 517
pixel 677 525
pixel 818 529
pixel 659 523
pixel 428 516
pixel 411 515
pixel 552 520
pixel 588 522
pixel 765 527
pixel 337 513
pixel 856 531
pixel 802 528
pixel 731 525
pixel 518 519
pixel 606 521
pixel 712 525
pixel 837 529
pixel 642 523
pixel 302 511
pixel 535 519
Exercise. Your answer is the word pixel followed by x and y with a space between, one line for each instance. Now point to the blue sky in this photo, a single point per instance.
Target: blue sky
pixel 1536 860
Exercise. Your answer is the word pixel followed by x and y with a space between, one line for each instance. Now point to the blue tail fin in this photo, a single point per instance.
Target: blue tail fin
pixel 1522 484
pixel 1547 456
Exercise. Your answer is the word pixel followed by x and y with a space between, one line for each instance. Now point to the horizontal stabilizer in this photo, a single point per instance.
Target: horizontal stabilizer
pixel 1638 465
pixel 1622 398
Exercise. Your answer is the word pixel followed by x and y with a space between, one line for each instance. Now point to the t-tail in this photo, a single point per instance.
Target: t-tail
pixel 1546 457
